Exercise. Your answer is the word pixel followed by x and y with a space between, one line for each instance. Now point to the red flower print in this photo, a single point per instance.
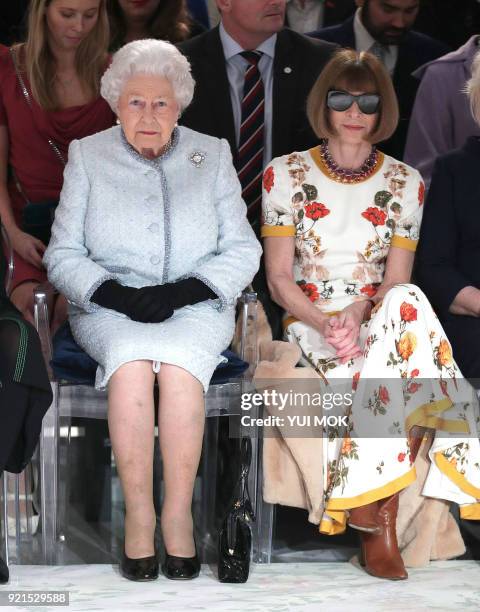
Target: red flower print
pixel 309 289
pixel 443 386
pixel 401 457
pixel 268 179
pixel 421 193
pixel 414 373
pixel 355 380
pixel 413 387
pixel 369 290
pixel 316 210
pixel 375 215
pixel 383 395
pixel 408 312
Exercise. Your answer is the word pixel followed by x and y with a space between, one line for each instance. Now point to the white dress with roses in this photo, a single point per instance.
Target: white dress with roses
pixel 406 375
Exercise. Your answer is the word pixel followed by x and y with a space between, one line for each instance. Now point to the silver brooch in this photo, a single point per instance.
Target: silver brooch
pixel 197 158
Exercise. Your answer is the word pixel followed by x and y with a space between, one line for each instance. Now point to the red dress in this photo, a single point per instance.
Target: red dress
pixel 37 167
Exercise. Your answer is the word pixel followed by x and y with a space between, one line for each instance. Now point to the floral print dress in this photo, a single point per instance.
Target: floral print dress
pixel 407 375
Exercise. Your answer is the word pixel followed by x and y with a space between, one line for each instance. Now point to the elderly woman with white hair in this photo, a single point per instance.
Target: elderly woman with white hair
pixel 151 246
pixel 448 257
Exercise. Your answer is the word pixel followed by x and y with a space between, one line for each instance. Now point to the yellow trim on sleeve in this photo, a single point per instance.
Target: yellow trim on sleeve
pixel 404 243
pixel 278 230
pixel 426 416
pixel 470 512
pixel 449 470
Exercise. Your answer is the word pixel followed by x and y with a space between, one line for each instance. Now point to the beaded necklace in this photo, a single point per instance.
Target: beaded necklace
pixel 347 175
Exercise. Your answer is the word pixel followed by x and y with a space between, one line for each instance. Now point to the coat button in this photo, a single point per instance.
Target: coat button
pixel 153 227
pixel 155 260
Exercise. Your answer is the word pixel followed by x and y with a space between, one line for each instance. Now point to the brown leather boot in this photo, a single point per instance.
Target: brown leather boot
pixel 365 518
pixel 415 439
pixel 379 553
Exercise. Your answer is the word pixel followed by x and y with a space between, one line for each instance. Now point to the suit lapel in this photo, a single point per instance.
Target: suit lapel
pixel 286 75
pixel 345 35
pixel 217 89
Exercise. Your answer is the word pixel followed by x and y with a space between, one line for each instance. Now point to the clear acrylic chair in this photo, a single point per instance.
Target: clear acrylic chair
pixel 83 401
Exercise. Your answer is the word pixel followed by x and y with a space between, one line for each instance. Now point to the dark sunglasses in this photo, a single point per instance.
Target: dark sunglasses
pixel 342 100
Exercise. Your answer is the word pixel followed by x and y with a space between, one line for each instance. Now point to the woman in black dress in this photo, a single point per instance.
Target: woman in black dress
pixel 448 255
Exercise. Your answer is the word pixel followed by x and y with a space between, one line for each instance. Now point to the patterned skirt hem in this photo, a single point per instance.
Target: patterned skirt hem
pixel 459 479
pixel 335 518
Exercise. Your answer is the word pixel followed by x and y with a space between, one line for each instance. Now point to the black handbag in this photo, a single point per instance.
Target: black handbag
pixel 235 538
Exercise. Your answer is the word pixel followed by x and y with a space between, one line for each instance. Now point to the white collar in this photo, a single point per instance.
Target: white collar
pixel 363 39
pixel 232 48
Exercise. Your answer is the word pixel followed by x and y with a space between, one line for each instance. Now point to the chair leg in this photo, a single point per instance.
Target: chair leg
pixel 264 513
pixel 5 517
pixel 18 526
pixel 48 479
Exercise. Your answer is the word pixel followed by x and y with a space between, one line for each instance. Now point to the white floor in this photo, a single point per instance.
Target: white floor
pixel 315 587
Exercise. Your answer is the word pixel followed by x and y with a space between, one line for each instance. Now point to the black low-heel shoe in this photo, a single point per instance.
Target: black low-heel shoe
pixel 140 570
pixel 180 568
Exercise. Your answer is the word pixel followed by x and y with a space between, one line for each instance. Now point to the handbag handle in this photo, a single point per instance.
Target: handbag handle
pixel 242 506
pixel 26 95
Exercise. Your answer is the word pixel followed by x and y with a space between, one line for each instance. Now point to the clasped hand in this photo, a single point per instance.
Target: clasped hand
pixel 342 331
pixel 150 304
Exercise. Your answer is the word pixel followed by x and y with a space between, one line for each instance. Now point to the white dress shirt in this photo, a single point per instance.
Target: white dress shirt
pixel 236 67
pixel 305 18
pixel 364 42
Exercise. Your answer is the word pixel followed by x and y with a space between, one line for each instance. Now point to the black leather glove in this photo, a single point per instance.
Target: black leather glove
pixel 152 304
pixel 137 304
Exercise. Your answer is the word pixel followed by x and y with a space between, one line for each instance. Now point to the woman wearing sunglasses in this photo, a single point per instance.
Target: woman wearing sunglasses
pixel 341 225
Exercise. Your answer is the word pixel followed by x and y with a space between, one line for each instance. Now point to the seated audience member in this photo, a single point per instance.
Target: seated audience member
pixel 161 19
pixel 49 95
pixel 448 259
pixel 341 224
pixel 151 245
pixel 385 29
pixel 441 119
pixel 263 73
pixel 25 392
pixel 309 15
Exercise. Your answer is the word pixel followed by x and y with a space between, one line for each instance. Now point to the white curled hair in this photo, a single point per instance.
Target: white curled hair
pixel 155 57
pixel 472 88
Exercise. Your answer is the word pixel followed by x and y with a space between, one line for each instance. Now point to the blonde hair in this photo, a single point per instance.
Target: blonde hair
pixel 472 88
pixel 351 70
pixel 38 63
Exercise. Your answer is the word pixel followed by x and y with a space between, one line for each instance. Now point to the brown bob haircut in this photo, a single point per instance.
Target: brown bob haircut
pixel 349 70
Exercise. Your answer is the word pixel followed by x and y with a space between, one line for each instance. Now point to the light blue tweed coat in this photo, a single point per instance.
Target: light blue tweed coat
pixel 145 222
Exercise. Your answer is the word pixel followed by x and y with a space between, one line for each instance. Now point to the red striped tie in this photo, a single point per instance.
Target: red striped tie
pixel 250 149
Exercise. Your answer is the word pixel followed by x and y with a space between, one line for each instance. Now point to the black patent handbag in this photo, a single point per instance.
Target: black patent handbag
pixel 235 537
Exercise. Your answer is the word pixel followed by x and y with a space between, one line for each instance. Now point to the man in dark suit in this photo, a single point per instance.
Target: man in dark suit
pixel 307 15
pixel 384 27
pixel 289 66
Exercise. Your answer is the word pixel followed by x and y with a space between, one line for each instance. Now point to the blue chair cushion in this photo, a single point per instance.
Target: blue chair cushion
pixel 72 364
